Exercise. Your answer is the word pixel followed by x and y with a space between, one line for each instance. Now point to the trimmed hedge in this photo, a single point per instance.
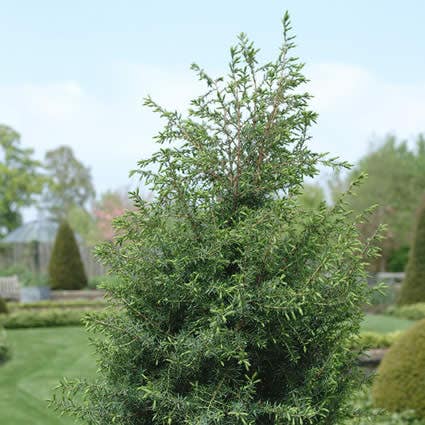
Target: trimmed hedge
pixel 409 312
pixel 66 269
pixel 47 304
pixel 43 318
pixel 377 340
pixel 400 382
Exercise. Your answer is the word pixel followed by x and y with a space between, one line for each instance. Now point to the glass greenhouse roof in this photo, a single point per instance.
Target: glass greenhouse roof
pixel 38 230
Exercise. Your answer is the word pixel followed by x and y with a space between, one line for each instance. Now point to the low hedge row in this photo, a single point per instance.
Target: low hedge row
pixel 42 305
pixel 368 340
pixel 42 318
pixel 37 318
pixel 409 312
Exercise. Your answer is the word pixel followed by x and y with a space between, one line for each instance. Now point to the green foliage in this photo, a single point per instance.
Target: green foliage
pixel 3 306
pixel 239 304
pixel 312 196
pixel 409 312
pixel 413 287
pixel 376 339
pixel 66 269
pixel 26 277
pixel 69 183
pixel 370 415
pixel 396 180
pixel 400 382
pixel 4 347
pixel 84 225
pixel 20 179
pixel 42 318
pixel 101 282
pixel 381 299
pixel 397 259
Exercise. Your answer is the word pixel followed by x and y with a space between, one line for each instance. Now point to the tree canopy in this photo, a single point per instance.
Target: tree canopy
pixel 395 183
pixel 69 183
pixel 20 179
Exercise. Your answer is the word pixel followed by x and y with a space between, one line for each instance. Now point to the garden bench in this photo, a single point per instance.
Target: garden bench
pixel 9 287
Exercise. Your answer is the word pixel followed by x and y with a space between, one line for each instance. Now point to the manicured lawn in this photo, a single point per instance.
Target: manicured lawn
pixel 383 324
pixel 41 357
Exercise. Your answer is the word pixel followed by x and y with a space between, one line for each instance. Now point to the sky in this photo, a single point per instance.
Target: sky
pixel 75 73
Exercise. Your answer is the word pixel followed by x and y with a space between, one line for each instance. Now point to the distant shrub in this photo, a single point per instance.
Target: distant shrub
pixel 40 319
pixel 400 382
pixel 398 259
pixel 26 277
pixel 369 415
pixel 97 282
pixel 4 347
pixel 66 269
pixel 413 288
pixel 369 340
pixel 409 312
pixel 384 297
pixel 3 306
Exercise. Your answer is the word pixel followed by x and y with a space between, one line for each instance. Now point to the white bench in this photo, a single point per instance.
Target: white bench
pixel 10 288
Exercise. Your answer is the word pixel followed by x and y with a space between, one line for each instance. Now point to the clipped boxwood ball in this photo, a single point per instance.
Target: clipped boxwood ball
pixel 400 382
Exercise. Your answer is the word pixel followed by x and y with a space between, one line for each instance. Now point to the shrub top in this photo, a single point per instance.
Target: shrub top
pixel 400 383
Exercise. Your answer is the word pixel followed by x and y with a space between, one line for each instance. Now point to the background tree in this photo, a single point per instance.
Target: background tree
pixel 69 183
pixel 20 179
pixel 395 182
pixel 66 269
pixel 110 205
pixel 312 195
pixel 413 287
pixel 84 224
pixel 237 304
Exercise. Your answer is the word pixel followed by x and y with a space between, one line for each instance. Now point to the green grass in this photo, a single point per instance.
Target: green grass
pixel 384 324
pixel 40 358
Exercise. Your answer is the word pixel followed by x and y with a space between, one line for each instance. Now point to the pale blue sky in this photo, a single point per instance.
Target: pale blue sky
pixel 75 72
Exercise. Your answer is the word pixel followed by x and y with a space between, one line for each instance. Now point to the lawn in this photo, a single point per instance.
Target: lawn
pixel 41 357
pixel 383 324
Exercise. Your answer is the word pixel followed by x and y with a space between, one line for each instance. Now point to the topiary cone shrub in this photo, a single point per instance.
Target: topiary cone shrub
pixel 237 304
pixel 413 287
pixel 400 381
pixel 66 269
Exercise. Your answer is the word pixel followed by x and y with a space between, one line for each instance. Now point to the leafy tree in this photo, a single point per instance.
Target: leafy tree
pixel 85 225
pixel 237 305
pixel 20 179
pixel 413 288
pixel 396 180
pixel 111 205
pixel 69 183
pixel 66 269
